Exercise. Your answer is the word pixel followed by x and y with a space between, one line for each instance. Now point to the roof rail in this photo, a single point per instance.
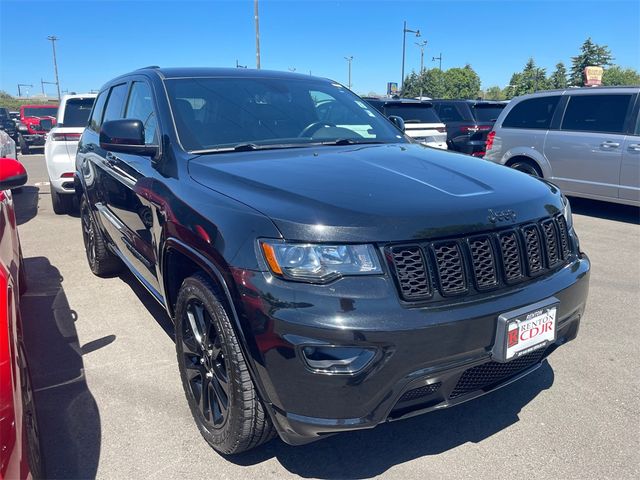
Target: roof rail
pixel 150 66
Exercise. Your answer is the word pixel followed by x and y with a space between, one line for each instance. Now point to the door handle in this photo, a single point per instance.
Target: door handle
pixel 609 144
pixel 634 147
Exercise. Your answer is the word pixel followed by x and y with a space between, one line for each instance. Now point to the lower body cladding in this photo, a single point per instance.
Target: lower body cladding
pixel 348 356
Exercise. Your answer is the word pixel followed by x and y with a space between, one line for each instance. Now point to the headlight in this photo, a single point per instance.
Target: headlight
pixel 23 128
pixel 319 263
pixel 566 211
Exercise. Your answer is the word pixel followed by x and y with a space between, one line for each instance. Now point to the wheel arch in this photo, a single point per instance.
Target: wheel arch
pixel 531 155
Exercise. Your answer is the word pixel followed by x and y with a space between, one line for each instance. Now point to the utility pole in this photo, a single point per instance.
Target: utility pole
pixel 405 30
pixel 257 18
pixel 421 44
pixel 53 39
pixel 439 58
pixel 42 83
pixel 239 66
pixel 23 85
pixel 349 60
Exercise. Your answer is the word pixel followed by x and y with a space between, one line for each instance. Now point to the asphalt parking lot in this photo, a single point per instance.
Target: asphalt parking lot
pixel 110 403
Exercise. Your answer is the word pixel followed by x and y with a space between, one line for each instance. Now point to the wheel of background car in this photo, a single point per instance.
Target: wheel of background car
pixel 61 203
pixel 24 148
pixel 312 128
pixel 101 261
pixel 221 395
pixel 527 167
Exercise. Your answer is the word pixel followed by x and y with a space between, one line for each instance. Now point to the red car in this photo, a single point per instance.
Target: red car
pixel 19 444
pixel 35 122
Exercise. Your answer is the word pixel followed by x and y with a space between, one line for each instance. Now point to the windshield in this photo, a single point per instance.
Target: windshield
pixel 76 112
pixel 40 111
pixel 214 113
pixel 487 113
pixel 413 113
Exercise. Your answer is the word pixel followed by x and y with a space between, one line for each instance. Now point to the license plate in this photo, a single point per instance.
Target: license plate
pixel 525 330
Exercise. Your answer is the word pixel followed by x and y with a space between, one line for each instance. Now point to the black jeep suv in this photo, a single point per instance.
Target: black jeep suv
pixel 322 276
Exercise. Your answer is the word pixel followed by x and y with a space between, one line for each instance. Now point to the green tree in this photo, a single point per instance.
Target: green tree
pixel 591 54
pixel 617 75
pixel 558 78
pixel 531 79
pixel 494 93
pixel 461 83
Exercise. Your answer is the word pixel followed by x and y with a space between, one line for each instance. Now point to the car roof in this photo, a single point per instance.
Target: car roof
pixel 399 101
pixel 462 100
pixel 188 72
pixel 78 95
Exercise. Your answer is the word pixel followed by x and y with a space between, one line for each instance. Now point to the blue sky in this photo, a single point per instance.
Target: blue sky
pixel 100 39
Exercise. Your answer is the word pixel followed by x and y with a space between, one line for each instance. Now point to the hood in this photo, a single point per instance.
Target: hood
pixel 375 193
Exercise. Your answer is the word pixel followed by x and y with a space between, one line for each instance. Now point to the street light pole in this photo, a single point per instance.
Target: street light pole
pixel 439 58
pixel 257 19
pixel 421 44
pixel 53 39
pixel 23 85
pixel 349 60
pixel 405 30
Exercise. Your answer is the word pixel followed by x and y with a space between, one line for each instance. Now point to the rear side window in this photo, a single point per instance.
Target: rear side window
pixel 96 116
pixel 76 112
pixel 596 113
pixel 449 112
pixel 486 112
pixel 117 97
pixel 413 113
pixel 532 113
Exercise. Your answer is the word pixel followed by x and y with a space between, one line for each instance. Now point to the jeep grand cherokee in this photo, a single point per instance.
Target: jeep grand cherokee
pixel 322 276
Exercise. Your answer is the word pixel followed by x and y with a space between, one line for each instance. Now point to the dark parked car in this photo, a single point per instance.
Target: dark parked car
pixel 468 123
pixel 7 124
pixel 321 277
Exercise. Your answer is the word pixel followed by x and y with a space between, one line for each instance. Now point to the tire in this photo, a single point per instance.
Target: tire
pixel 102 262
pixel 31 429
pixel 528 167
pixel 24 147
pixel 230 416
pixel 62 203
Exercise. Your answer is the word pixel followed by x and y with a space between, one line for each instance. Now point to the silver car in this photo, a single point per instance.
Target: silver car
pixel 585 140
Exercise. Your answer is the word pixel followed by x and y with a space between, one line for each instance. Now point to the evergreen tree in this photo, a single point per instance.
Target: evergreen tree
pixel 558 78
pixel 591 54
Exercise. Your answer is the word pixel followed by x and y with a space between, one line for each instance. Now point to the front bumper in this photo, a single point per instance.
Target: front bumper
pixel 34 140
pixel 422 353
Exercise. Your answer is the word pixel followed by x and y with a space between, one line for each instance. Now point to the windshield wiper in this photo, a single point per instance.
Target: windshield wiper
pixel 350 141
pixel 248 147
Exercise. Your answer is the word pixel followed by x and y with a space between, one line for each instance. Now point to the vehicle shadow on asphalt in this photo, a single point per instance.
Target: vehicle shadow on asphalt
pixel 606 210
pixel 68 416
pixel 26 203
pixel 368 453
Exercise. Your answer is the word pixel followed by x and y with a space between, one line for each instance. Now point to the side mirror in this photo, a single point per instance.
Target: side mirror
pixel 397 121
pixel 12 174
pixel 126 136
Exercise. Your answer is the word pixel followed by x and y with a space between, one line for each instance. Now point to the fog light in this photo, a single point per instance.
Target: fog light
pixel 337 360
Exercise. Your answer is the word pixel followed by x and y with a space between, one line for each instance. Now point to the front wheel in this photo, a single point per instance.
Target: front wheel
pixel 221 395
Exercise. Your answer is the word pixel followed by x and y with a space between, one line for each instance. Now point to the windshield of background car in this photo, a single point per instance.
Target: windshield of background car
pixel 76 112
pixel 413 113
pixel 225 112
pixel 486 113
pixel 40 111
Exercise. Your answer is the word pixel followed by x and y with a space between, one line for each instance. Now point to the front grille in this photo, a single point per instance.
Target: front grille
pixel 493 373
pixel 411 272
pixel 450 268
pixel 463 266
pixel 419 392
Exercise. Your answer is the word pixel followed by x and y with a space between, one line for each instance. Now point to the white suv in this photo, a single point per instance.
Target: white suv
pixel 61 145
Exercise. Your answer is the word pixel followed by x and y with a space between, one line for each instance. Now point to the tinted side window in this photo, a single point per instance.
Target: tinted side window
pixel 113 110
pixel 532 113
pixel 140 107
pixel 596 113
pixel 96 115
pixel 449 113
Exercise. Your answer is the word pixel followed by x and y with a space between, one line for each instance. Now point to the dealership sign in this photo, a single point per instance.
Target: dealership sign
pixel 392 88
pixel 593 76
